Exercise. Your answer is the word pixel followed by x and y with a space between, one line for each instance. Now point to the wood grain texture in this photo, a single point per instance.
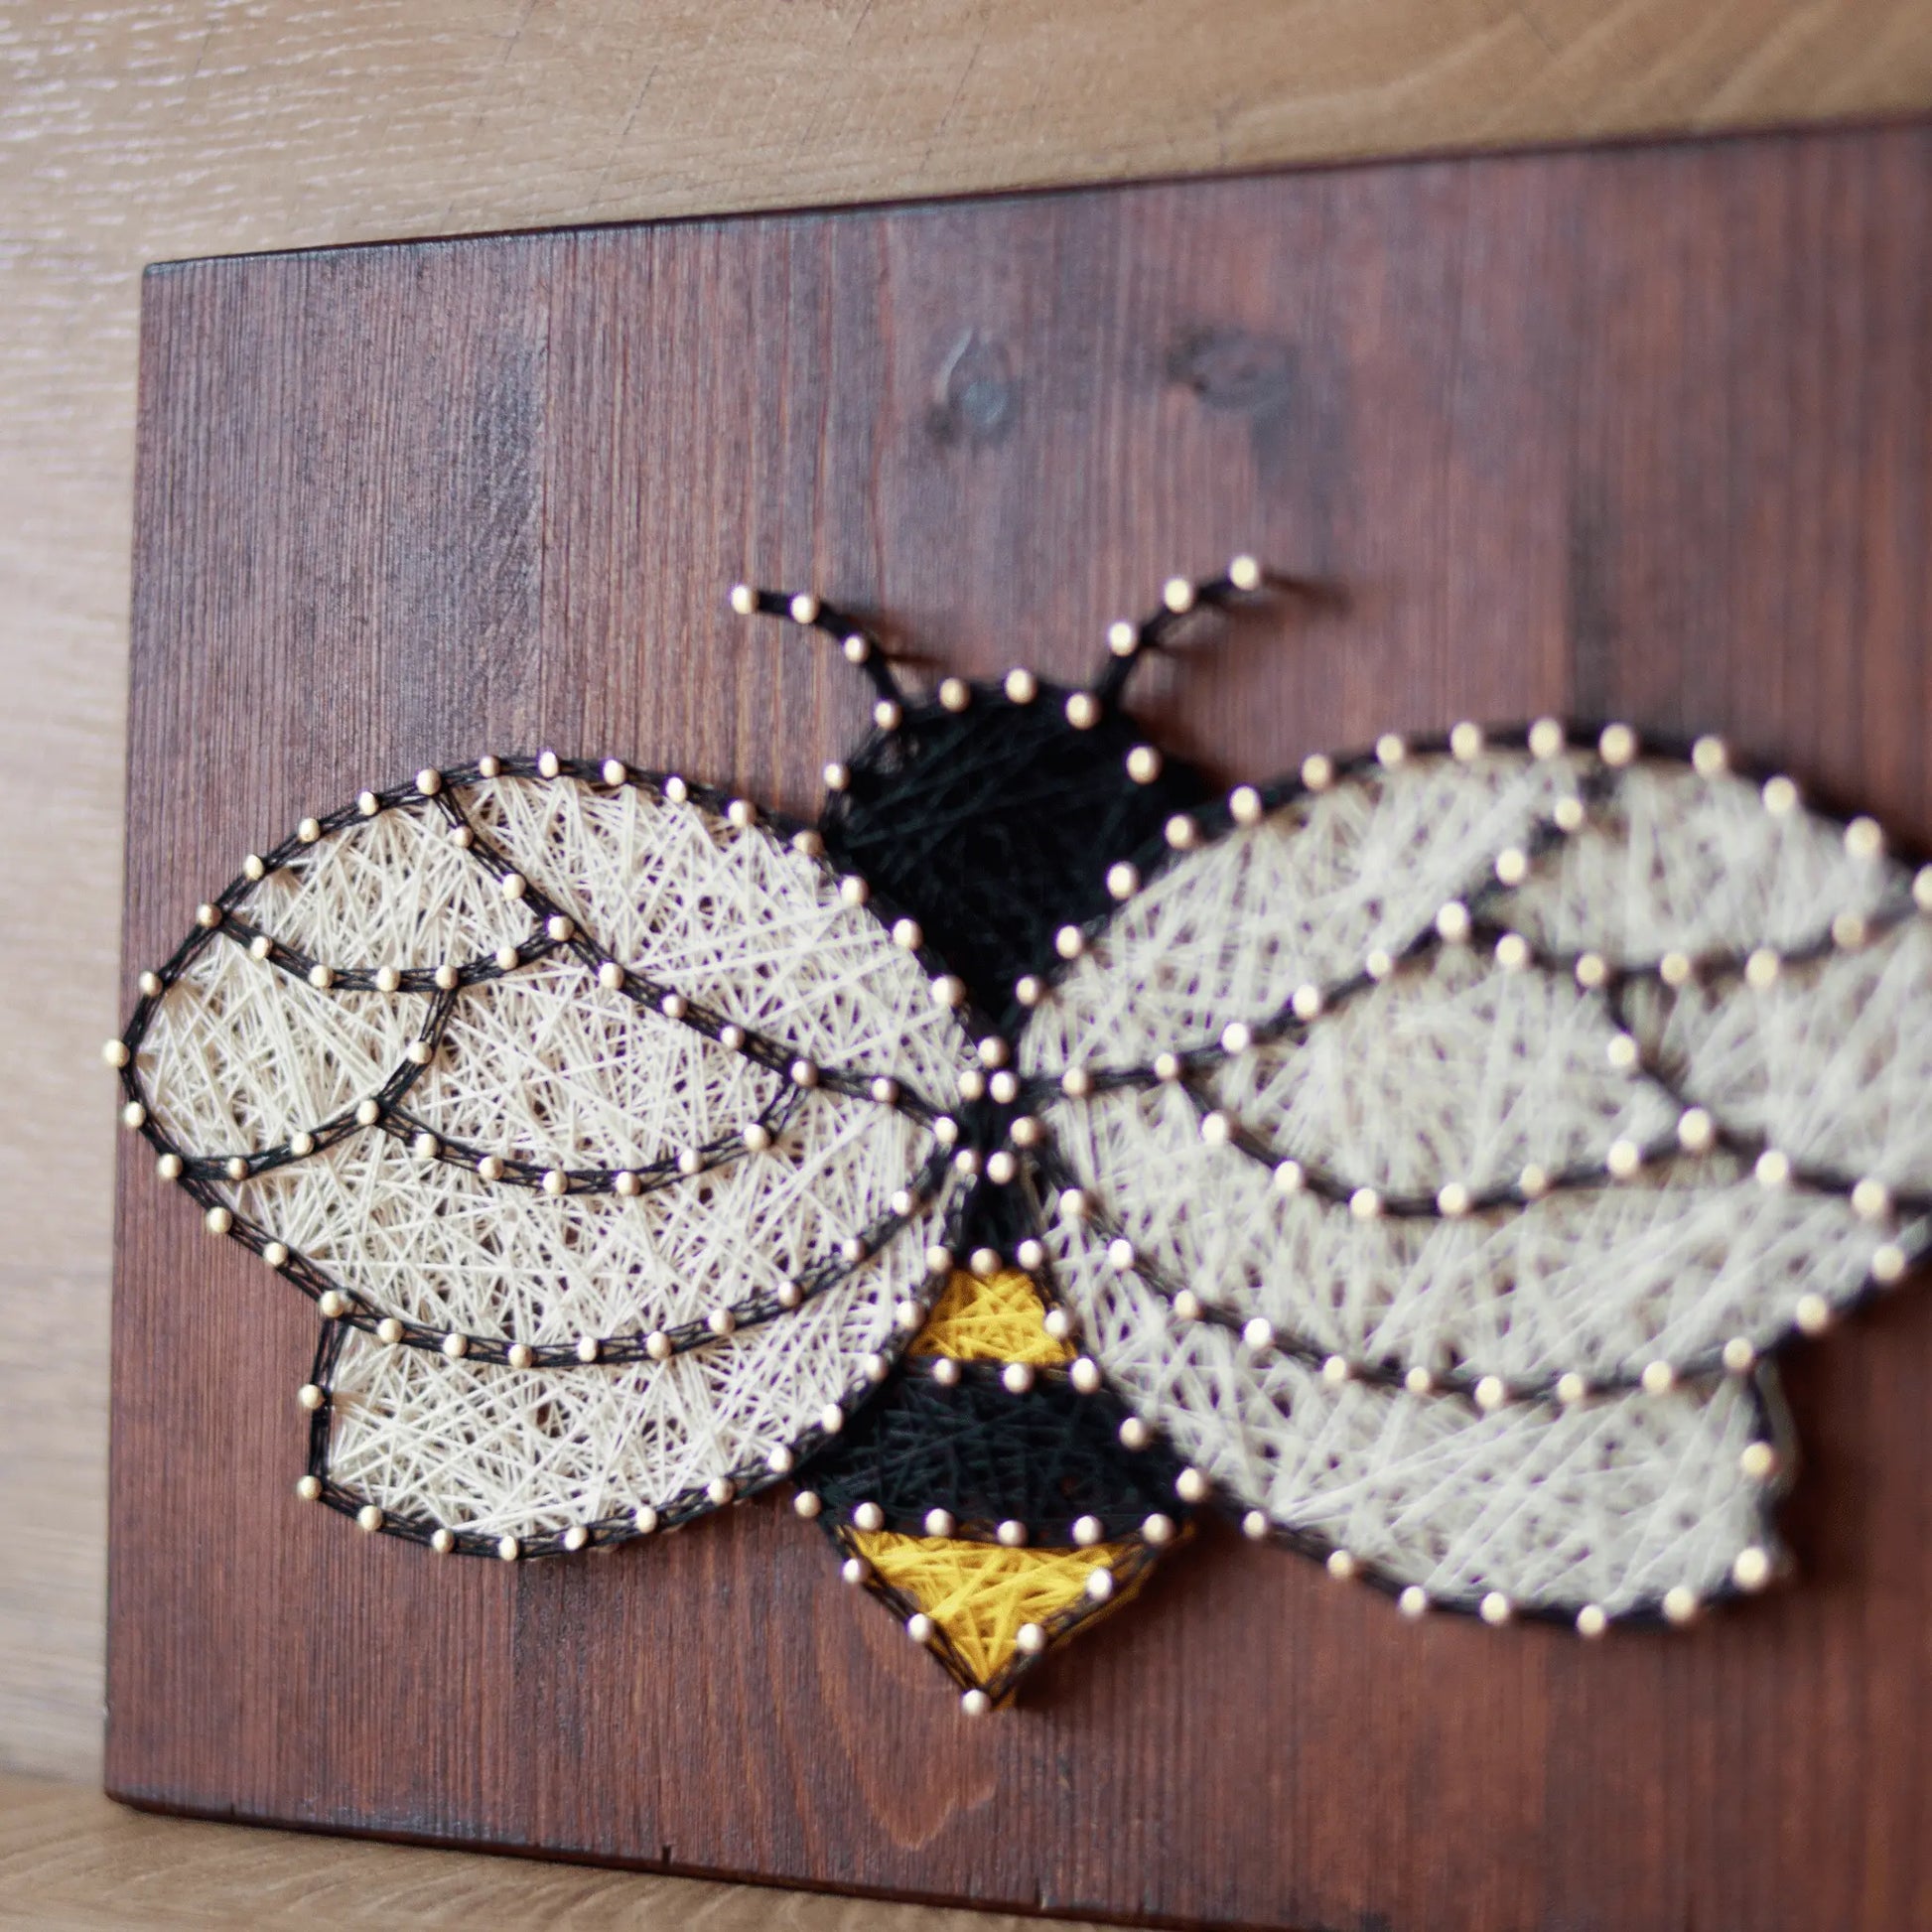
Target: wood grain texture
pixel 160 128
pixel 72 1861
pixel 1645 433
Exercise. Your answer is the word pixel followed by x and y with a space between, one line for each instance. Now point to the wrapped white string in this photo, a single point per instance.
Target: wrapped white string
pixel 492 1451
pixel 1612 1504
pixel 1830 1062
pixel 1301 897
pixel 546 1066
pixel 1454 1069
pixel 1674 860
pixel 433 1245
pixel 242 1055
pixel 594 1246
pixel 1597 1282
pixel 1353 1095
pixel 737 923
pixel 337 898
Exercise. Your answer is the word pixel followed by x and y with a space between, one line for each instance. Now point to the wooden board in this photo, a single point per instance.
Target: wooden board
pixel 1645 432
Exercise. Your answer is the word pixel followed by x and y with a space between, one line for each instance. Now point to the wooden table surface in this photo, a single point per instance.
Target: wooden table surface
pixel 69 1858
pixel 130 133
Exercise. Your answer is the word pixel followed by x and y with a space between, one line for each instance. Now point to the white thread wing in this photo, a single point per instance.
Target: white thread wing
pixel 1393 1202
pixel 565 1092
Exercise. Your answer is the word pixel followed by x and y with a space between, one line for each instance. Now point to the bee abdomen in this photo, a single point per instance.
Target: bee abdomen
pixel 985 1497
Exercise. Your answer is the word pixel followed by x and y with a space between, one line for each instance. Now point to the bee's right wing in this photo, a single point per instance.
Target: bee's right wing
pixel 1433 1135
pixel 596 1116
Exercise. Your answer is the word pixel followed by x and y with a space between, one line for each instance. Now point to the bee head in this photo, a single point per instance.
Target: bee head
pixel 998 814
pixel 993 814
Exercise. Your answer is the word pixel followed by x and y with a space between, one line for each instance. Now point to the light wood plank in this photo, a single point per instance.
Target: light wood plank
pixel 70 1859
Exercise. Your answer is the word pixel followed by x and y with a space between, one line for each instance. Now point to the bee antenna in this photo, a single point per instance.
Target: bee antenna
pixel 860 645
pixel 1180 598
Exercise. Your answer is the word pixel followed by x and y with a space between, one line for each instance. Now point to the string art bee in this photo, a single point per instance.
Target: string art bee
pixel 1416 1158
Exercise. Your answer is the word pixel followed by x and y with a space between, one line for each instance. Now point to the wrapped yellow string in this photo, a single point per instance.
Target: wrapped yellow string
pixel 995 1608
pixel 999 1320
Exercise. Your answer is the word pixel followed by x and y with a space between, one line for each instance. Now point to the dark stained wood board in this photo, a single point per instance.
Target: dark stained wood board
pixel 1644 432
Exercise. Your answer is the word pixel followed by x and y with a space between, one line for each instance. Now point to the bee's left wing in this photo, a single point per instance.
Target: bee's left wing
pixel 598 1116
pixel 1434 1133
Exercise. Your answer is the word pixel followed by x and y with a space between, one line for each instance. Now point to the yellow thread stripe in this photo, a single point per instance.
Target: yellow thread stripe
pixel 1001 1320
pixel 982 1595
